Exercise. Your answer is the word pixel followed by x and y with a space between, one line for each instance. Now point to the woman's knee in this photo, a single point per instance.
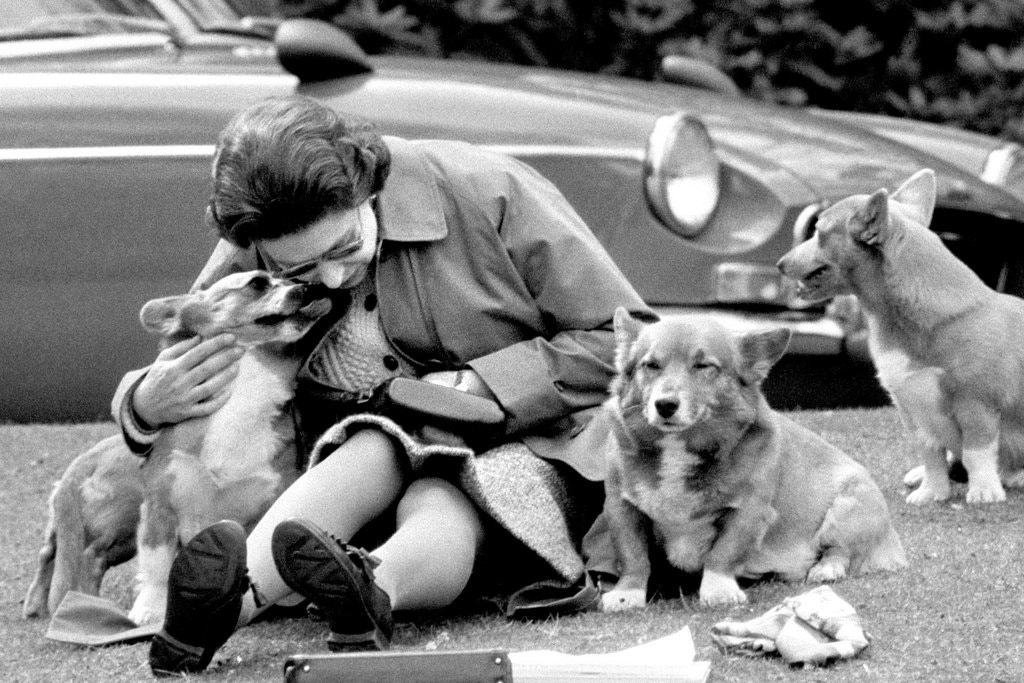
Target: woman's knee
pixel 366 448
pixel 371 439
pixel 438 497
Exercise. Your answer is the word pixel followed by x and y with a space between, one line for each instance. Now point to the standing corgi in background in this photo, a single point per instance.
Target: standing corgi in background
pixel 947 348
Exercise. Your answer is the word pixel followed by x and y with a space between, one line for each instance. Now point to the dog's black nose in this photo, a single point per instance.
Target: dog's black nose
pixel 666 407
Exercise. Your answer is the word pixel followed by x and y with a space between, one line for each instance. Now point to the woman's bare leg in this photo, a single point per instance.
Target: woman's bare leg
pixel 354 485
pixel 427 561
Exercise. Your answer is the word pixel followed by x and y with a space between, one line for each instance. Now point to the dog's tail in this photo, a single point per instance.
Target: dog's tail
pixel 36 597
pixel 67 508
pixel 61 556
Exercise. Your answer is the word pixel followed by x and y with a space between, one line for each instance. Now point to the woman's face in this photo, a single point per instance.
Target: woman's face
pixel 335 251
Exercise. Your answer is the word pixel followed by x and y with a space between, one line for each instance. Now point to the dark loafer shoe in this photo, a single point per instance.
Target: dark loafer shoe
pixel 338 578
pixel 204 598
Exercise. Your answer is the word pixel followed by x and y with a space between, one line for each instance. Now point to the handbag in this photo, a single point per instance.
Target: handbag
pixel 412 403
pixel 416 401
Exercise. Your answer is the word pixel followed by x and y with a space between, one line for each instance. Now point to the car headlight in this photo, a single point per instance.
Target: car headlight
pixel 1005 167
pixel 682 173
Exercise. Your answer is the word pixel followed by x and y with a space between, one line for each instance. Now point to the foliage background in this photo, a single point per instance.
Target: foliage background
pixel 959 62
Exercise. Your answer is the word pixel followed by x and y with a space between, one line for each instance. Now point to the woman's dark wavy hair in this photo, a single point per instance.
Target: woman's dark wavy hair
pixel 284 162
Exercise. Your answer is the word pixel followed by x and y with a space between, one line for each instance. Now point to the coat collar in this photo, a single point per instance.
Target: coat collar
pixel 409 207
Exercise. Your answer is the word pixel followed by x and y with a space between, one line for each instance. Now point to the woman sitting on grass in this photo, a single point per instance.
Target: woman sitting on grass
pixel 453 264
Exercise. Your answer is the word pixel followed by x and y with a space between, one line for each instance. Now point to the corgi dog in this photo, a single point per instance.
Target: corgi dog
pixel 940 338
pixel 234 463
pixel 725 485
pixel 229 465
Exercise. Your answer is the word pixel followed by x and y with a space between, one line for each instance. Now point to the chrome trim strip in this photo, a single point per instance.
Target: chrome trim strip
pixel 801 233
pixel 812 336
pixel 206 151
pixel 527 151
pixel 801 226
pixel 33 47
pixel 749 283
pixel 40 80
pixel 999 162
pixel 27 154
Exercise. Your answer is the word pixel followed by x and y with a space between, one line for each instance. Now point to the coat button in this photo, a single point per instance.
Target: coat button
pixel 391 363
pixel 371 302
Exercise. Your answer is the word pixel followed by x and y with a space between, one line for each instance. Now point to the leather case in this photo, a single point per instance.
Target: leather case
pixel 443 406
pixel 456 666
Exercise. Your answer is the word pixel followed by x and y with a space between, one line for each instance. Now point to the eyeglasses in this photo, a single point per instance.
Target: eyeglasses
pixel 341 250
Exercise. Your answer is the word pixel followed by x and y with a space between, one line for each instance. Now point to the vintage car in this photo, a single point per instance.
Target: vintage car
pixel 109 112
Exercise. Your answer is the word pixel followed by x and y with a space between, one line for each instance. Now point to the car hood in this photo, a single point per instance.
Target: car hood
pixel 803 157
pixel 818 159
pixel 835 159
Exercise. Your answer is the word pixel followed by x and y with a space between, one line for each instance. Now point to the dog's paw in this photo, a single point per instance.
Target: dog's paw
pixel 928 494
pixel 722 598
pixel 982 494
pixel 914 476
pixel 620 600
pixel 1014 480
pixel 148 608
pixel 827 571
pixel 719 590
pixel 34 605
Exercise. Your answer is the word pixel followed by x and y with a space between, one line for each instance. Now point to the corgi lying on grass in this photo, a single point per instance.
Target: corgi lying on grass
pixel 725 485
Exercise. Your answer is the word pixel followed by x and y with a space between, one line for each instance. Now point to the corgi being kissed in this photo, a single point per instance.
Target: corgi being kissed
pixel 230 465
pixel 946 347
pixel 723 483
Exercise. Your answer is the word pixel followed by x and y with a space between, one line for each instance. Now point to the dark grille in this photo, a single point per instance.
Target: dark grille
pixel 993 247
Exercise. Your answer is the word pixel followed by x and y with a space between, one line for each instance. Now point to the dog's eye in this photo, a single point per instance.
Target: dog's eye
pixel 651 364
pixel 705 365
pixel 259 283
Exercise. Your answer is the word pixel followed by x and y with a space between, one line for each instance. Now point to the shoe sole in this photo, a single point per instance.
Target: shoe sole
pixel 206 560
pixel 298 537
pixel 210 554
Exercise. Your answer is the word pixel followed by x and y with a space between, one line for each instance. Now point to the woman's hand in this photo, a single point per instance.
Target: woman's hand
pixel 464 380
pixel 189 379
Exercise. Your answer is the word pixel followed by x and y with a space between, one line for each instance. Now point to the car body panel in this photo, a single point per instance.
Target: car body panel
pixel 106 143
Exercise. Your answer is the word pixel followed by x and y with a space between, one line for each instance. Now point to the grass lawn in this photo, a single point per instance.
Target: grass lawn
pixel 953 615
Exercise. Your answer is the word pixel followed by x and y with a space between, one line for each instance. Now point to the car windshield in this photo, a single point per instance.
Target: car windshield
pixel 35 19
pixel 223 16
pixel 27 19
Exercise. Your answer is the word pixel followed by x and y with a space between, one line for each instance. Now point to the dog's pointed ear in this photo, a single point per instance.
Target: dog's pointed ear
pixel 160 316
pixel 172 316
pixel 872 222
pixel 627 329
pixel 917 196
pixel 760 351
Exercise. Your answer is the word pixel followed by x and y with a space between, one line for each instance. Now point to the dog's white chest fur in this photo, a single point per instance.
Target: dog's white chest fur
pixel 673 507
pixel 906 379
pixel 892 364
pixel 247 420
pixel 892 361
